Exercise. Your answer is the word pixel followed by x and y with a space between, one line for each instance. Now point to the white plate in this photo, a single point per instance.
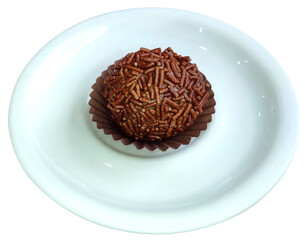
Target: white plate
pixel 244 152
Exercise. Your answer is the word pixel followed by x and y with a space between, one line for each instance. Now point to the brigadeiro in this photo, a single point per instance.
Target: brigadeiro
pixel 153 99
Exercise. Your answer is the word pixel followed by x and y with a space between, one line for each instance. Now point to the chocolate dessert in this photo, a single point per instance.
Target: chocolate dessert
pixel 153 96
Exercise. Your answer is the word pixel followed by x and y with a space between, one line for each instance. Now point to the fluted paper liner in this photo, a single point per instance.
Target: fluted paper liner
pixel 101 115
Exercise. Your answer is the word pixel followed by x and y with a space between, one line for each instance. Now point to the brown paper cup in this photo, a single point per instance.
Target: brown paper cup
pixel 101 115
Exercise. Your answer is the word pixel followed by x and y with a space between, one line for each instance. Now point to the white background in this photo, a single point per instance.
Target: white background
pixel 26 26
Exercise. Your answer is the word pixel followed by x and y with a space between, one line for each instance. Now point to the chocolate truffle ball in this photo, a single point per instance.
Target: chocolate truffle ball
pixel 153 95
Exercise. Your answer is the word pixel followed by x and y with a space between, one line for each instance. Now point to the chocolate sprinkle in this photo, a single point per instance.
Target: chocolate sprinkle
pixel 154 95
